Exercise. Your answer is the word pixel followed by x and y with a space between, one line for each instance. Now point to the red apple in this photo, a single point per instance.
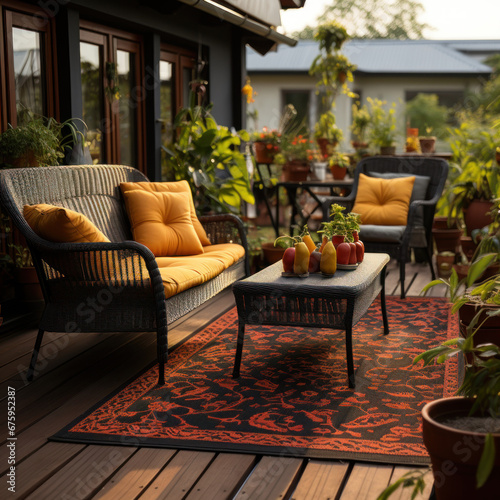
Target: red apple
pixel 314 261
pixel 288 259
pixel 360 251
pixel 352 255
pixel 343 253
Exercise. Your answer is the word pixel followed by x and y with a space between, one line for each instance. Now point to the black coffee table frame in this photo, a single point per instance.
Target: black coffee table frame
pixel 338 303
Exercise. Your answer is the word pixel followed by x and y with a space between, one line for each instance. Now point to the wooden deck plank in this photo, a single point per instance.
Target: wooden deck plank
pixel 321 480
pixel 83 476
pixel 406 493
pixel 179 476
pixel 135 475
pixel 272 479
pixel 366 482
pixel 37 468
pixel 223 478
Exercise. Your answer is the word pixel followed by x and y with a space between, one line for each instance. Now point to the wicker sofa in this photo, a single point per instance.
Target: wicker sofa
pixel 106 287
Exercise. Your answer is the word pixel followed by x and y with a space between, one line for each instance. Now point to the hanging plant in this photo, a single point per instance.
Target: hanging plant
pixel 112 89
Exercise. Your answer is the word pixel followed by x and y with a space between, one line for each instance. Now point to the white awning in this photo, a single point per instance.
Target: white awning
pixel 267 11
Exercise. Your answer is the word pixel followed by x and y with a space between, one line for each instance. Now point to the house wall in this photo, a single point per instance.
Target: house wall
pixel 269 99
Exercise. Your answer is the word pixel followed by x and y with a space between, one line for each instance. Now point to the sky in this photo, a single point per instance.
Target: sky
pixel 452 19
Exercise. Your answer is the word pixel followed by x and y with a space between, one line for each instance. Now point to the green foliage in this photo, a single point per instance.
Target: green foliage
pixel 413 478
pixel 382 128
pixel 38 141
pixel 396 19
pixel 326 127
pixel 424 112
pixel 207 156
pixel 360 121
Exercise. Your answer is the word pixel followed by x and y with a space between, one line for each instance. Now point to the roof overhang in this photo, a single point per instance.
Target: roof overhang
pixel 267 36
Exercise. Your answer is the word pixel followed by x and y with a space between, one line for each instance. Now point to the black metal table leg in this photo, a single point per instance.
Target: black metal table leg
pixel 348 343
pixel 382 302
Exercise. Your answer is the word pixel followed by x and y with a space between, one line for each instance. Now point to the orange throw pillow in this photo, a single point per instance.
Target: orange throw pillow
pixel 171 187
pixel 383 202
pixel 62 225
pixel 162 222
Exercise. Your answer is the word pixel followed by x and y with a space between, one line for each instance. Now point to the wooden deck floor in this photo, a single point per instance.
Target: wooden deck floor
pixel 82 369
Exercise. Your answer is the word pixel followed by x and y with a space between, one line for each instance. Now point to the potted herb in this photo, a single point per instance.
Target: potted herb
pixel 338 165
pixel 327 134
pixel 360 122
pixel 382 129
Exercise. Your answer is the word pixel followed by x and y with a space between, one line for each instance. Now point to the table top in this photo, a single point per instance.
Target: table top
pixel 342 283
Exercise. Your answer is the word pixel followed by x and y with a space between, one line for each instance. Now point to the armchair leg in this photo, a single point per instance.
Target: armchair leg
pixel 34 356
pixel 161 373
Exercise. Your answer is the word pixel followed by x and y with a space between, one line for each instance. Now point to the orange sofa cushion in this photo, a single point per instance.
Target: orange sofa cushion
pixel 62 225
pixel 383 201
pixel 171 187
pixel 181 273
pixel 162 222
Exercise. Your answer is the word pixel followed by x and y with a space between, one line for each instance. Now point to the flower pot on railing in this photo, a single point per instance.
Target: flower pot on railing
pixel 388 150
pixel 427 144
pixel 296 170
pixel 264 151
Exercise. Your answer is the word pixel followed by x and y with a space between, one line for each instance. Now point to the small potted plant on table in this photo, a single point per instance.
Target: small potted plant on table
pixel 382 129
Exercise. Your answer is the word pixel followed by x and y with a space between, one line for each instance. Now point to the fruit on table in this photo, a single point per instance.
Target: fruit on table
pixel 301 260
pixel 352 255
pixel 343 253
pixel 360 251
pixel 288 259
pixel 328 263
pixel 311 246
pixel 314 261
pixel 337 240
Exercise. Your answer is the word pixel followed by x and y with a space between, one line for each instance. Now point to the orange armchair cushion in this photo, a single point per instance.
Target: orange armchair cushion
pixel 383 201
pixel 162 222
pixel 62 225
pixel 171 187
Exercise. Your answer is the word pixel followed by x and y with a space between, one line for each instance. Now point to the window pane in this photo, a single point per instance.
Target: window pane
pixel 28 71
pixel 127 108
pixel 92 95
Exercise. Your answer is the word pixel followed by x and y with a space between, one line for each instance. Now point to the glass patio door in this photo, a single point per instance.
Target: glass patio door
pixel 111 70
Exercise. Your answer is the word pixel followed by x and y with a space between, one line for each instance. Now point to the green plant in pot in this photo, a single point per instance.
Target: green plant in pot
pixel 327 134
pixel 382 128
pixel 360 121
pixel 39 141
pixel 338 165
pixel 207 155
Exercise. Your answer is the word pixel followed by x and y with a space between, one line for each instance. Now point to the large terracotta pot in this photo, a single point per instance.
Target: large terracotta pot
pixel 455 454
pixel 477 215
pixel 447 240
pixel 296 171
pixel 264 152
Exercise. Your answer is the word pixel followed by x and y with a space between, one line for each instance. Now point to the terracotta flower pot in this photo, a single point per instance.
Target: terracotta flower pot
pixel 296 171
pixel 427 144
pixel 338 172
pixel 447 240
pixel 272 254
pixel 326 146
pixel 468 246
pixel 264 152
pixel 388 150
pixel 477 215
pixel 455 454
pixel 444 263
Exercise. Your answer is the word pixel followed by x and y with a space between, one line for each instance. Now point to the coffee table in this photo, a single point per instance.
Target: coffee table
pixel 338 302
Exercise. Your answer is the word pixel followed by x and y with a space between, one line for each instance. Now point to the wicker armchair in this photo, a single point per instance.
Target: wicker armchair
pixel 418 231
pixel 105 287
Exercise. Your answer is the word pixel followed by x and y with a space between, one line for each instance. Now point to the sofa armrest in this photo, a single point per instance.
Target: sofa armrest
pixel 226 228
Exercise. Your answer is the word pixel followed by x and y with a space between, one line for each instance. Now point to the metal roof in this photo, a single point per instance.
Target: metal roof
pixel 378 56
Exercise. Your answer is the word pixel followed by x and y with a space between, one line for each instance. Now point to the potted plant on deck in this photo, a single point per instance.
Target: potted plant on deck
pixel 338 165
pixel 382 129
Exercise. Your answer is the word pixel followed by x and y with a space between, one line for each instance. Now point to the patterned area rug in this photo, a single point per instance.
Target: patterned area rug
pixel 292 397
